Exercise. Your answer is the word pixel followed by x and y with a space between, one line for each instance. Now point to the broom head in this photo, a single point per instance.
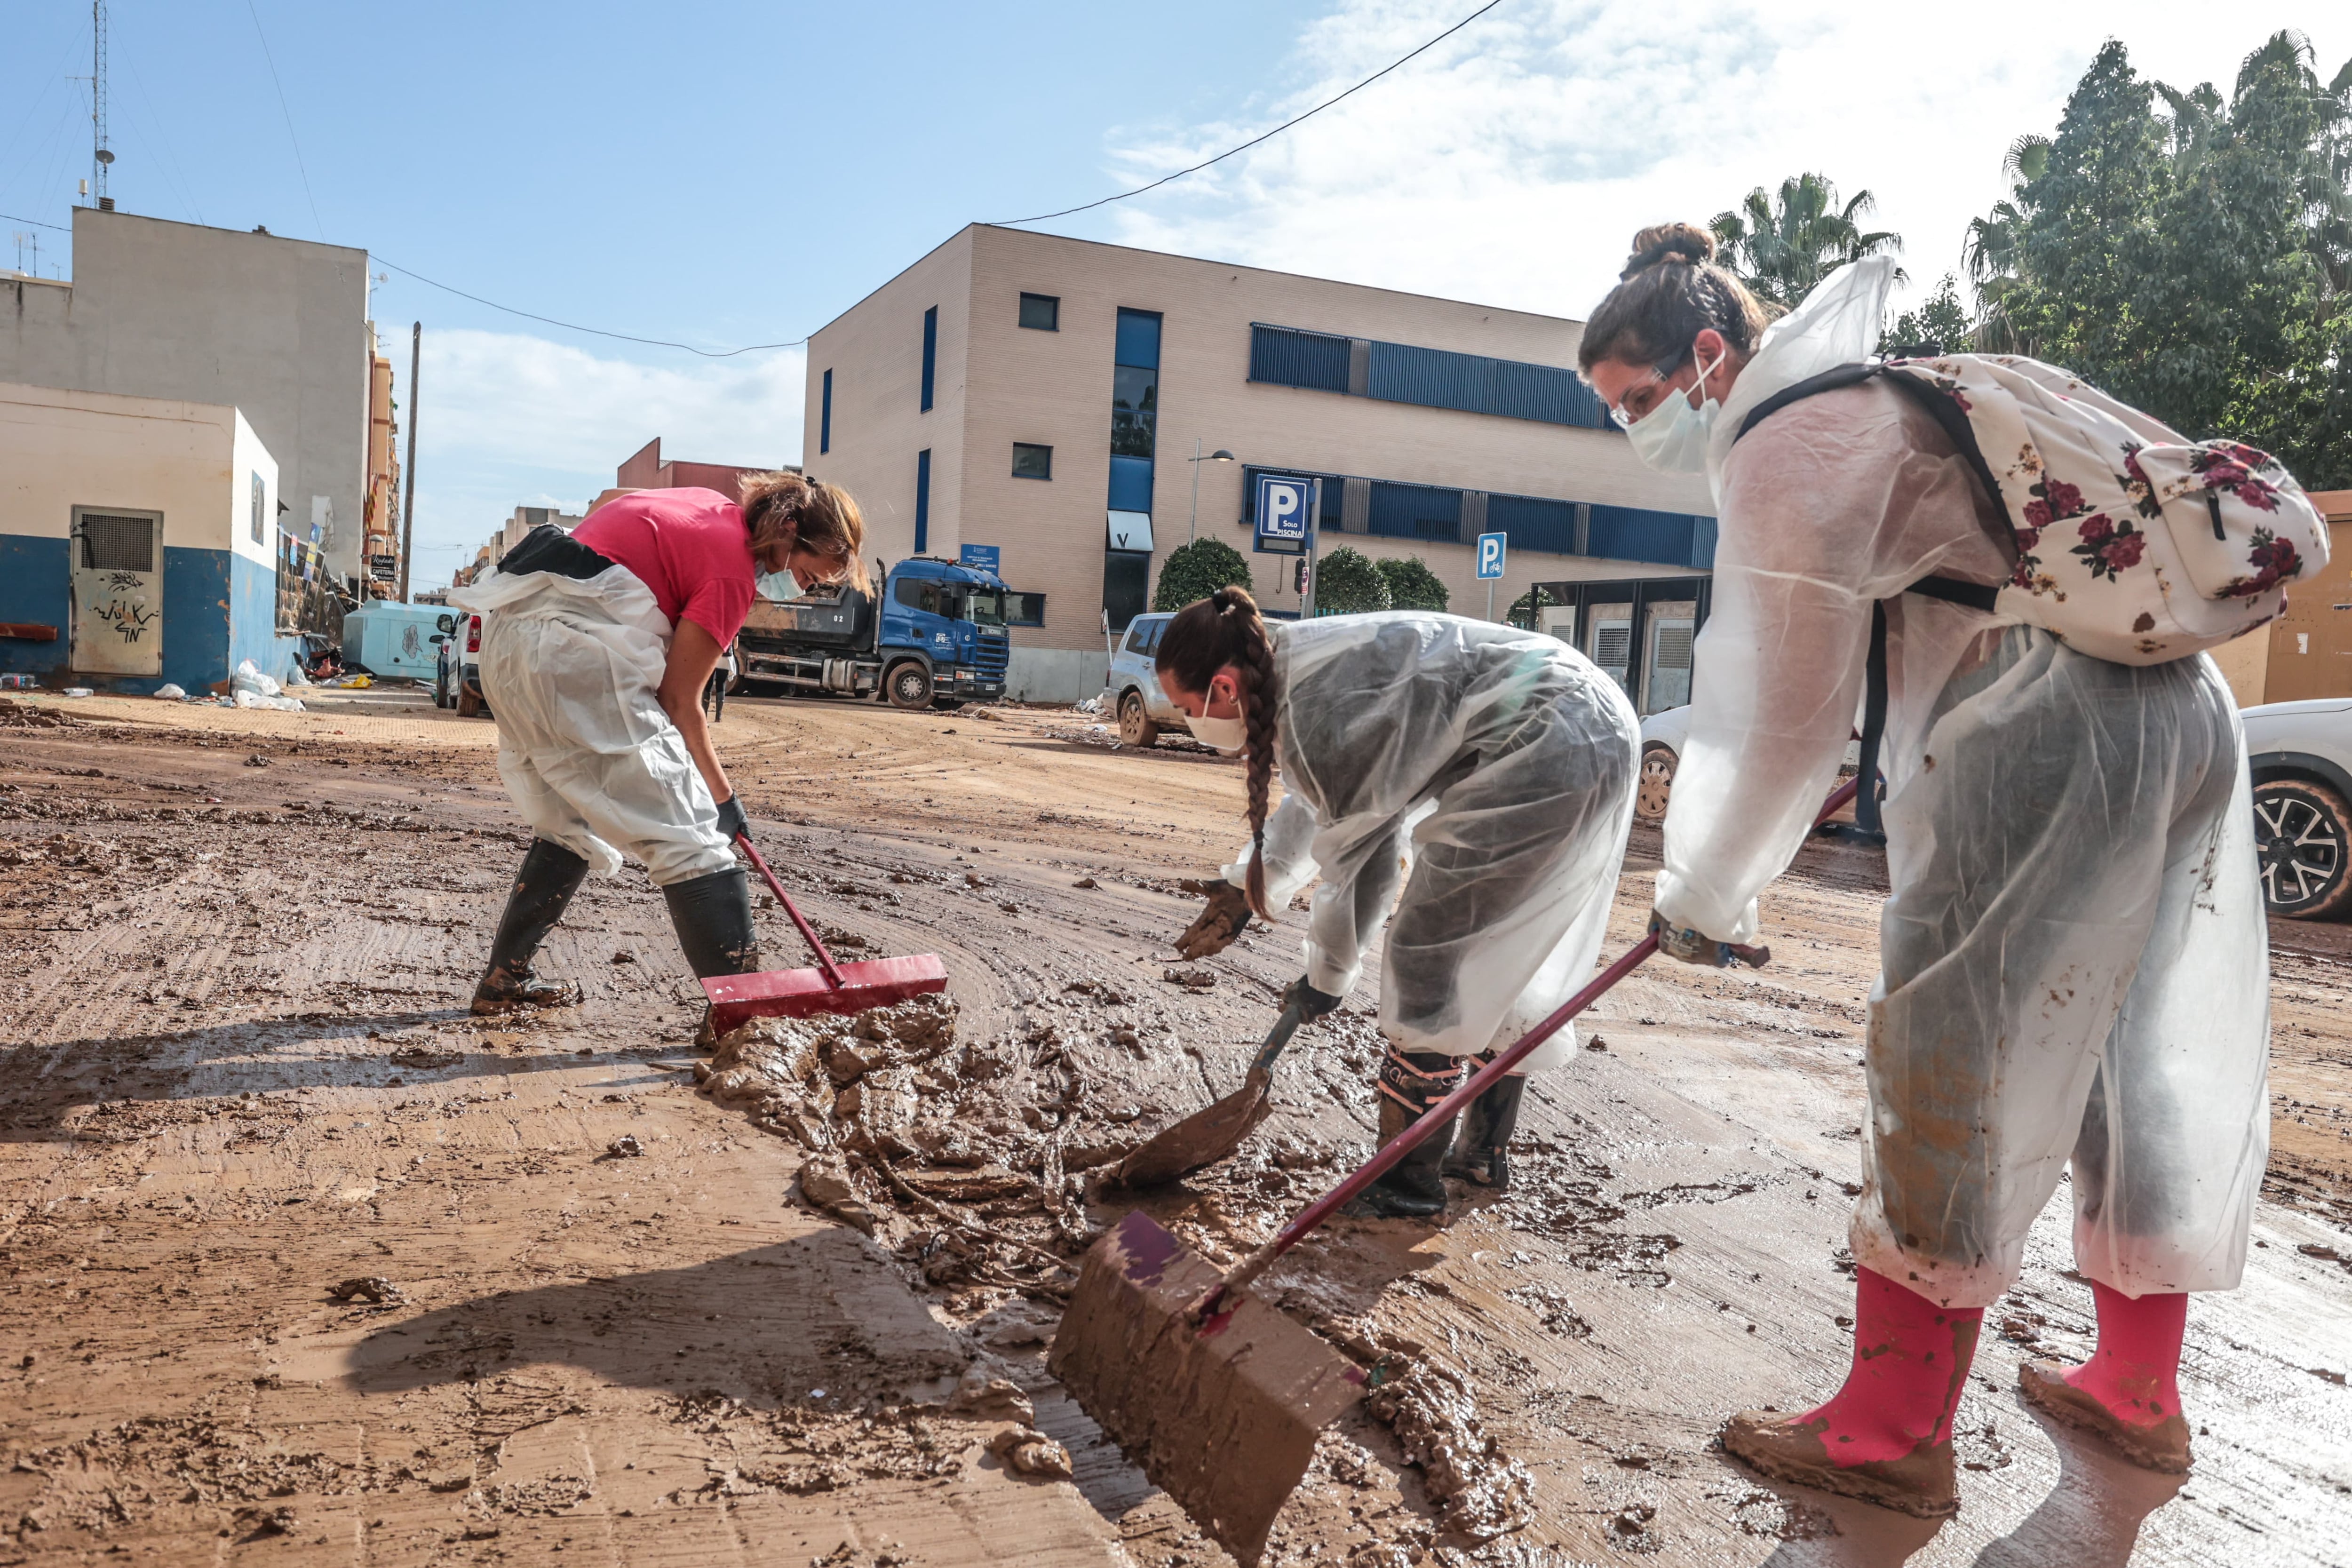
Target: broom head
pixel 736 999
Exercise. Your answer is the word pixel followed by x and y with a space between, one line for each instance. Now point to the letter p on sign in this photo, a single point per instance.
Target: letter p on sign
pixel 1490 555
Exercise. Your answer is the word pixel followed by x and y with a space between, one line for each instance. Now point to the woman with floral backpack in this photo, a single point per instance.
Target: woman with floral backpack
pixel 2073 961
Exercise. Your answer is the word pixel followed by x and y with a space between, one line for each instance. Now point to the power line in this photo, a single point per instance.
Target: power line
pixel 296 142
pixel 576 327
pixel 1105 200
pixel 37 223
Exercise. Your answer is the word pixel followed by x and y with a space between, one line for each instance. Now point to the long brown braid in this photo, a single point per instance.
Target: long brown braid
pixel 1207 635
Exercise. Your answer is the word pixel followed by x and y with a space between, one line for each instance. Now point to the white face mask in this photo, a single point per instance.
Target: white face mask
pixel 1227 735
pixel 1672 437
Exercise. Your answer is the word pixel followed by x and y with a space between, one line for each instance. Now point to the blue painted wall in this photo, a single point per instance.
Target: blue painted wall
pixel 33 588
pixel 218 608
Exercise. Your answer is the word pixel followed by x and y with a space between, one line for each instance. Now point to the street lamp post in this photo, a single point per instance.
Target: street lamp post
pixel 1219 456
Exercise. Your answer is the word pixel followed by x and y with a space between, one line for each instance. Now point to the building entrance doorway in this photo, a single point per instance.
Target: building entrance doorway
pixel 117 591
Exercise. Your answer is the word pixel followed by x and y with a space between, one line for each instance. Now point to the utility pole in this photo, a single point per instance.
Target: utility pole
pixel 408 472
pixel 1314 528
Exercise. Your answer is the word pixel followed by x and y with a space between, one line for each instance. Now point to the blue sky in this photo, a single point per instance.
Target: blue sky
pixel 722 173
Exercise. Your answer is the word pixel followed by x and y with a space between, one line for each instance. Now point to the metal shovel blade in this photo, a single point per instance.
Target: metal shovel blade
pixel 1221 1413
pixel 736 999
pixel 1207 1136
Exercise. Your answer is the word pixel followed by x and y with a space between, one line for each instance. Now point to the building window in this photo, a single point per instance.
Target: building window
pixel 824 417
pixel 1126 582
pixel 1042 312
pixel 922 501
pixel 1032 461
pixel 260 507
pixel 930 354
pixel 1134 438
pixel 1430 378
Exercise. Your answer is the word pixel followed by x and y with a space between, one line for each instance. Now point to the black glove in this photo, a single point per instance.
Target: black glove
pixel 1694 946
pixel 732 820
pixel 1311 1003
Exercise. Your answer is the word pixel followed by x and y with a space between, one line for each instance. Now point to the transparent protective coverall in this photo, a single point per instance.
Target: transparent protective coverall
pixel 1507 760
pixel 2074 960
pixel 572 668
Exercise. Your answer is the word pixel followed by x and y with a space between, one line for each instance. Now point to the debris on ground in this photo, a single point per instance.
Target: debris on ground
pixel 367 1287
pixel 1031 1452
pixel 1484 1491
pixel 624 1147
pixel 257 761
pixel 423 1057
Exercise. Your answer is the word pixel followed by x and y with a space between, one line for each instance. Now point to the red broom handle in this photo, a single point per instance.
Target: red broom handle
pixel 1445 1111
pixel 808 932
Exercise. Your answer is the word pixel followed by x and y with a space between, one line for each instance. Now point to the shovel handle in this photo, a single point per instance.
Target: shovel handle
pixel 1279 1037
pixel 1445 1110
pixel 808 932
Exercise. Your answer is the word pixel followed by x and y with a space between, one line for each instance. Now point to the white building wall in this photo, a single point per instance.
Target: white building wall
pixel 61 450
pixel 272 326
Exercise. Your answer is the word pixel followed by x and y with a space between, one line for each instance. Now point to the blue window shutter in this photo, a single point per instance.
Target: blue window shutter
pixel 1632 533
pixel 1702 542
pixel 1534 523
pixel 922 501
pixel 1138 340
pixel 1131 484
pixel 1415 511
pixel 1283 356
pixel 930 354
pixel 825 418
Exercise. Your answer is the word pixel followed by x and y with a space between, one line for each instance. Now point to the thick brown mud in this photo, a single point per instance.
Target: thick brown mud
pixel 807 1318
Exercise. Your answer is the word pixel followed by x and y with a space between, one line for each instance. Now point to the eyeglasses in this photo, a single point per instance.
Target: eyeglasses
pixel 1658 374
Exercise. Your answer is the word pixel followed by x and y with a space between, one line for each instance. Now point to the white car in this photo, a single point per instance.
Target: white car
pixel 1134 691
pixel 2300 754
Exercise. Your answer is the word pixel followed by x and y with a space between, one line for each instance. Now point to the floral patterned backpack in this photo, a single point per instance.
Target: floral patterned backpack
pixel 2131 542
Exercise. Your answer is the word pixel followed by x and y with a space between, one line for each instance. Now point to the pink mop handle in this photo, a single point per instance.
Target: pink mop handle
pixel 824 959
pixel 1438 1115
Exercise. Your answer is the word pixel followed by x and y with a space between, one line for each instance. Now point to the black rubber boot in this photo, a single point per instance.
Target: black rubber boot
pixel 712 916
pixel 1411 1083
pixel 551 874
pixel 1481 1155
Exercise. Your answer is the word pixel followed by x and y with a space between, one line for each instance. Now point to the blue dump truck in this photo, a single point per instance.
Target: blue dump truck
pixel 937 639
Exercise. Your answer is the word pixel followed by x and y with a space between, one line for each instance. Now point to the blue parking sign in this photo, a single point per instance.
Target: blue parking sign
pixel 1284 502
pixel 1490 555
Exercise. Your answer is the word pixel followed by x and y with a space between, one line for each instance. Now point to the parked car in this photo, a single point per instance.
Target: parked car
pixel 2300 756
pixel 457 676
pixel 1662 737
pixel 1134 687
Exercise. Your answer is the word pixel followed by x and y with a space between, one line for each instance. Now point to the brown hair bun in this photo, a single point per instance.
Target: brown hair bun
pixel 1669 242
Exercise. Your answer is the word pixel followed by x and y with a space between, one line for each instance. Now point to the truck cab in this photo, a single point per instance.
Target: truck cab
pixel 937 637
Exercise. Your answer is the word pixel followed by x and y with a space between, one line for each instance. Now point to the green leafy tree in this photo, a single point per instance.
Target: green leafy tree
pixel 1940 319
pixel 1525 609
pixel 1197 570
pixel 2190 254
pixel 1782 243
pixel 1346 584
pixel 1411 585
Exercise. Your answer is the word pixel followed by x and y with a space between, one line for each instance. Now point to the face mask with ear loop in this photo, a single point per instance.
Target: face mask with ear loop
pixel 1227 735
pixel 1672 437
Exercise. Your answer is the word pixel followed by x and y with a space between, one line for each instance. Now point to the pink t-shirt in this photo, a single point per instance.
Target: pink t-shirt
pixel 690 546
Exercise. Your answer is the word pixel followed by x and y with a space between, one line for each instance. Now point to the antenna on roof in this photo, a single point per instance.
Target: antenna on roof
pixel 100 154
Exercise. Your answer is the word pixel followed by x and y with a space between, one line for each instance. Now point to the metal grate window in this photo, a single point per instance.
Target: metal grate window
pixel 112 543
pixel 1675 645
pixel 1613 646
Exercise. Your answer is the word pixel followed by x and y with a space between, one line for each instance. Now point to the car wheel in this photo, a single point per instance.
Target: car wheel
pixel 909 686
pixel 1656 782
pixel 1136 725
pixel 2301 831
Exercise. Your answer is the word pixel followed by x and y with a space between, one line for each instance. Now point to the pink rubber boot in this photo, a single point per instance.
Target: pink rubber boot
pixel 2129 1391
pixel 1886 1436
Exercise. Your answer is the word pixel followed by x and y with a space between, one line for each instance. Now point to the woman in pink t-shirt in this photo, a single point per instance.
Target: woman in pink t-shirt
pixel 596 645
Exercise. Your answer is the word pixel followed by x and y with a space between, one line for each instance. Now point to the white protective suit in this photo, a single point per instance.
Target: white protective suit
pixel 1508 760
pixel 2073 959
pixel 572 668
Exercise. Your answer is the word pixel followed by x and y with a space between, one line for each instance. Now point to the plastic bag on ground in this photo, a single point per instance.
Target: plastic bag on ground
pixel 171 691
pixel 248 678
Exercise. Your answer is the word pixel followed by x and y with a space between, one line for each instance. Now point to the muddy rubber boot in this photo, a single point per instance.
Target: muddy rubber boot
pixel 1921 1483
pixel 1411 1082
pixel 1482 1154
pixel 712 917
pixel 2162 1446
pixel 551 874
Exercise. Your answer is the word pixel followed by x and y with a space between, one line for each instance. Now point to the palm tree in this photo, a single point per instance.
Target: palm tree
pixel 1994 251
pixel 1781 244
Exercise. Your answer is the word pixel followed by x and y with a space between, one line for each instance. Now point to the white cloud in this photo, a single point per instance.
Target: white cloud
pixel 1511 164
pixel 512 420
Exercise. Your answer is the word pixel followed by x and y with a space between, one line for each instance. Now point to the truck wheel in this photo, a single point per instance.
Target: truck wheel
pixel 1136 725
pixel 1656 782
pixel 2300 833
pixel 469 705
pixel 909 686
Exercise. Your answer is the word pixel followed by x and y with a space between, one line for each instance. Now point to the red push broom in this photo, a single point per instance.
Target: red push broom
pixel 830 987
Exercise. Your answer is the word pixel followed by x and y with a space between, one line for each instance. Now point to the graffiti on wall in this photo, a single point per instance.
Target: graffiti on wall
pixel 129 618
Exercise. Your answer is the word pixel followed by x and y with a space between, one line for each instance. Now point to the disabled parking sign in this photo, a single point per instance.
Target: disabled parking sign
pixel 1284 504
pixel 1490 555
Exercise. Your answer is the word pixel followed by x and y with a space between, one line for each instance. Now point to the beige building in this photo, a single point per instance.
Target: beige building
pixel 1045 397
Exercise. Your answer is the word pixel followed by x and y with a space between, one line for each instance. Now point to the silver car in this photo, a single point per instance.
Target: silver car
pixel 1143 708
pixel 2300 754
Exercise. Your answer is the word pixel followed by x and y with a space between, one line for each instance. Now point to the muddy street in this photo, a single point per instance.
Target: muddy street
pixel 306 1264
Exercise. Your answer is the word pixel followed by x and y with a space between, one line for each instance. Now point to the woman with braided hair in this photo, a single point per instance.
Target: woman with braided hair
pixel 1505 759
pixel 596 645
